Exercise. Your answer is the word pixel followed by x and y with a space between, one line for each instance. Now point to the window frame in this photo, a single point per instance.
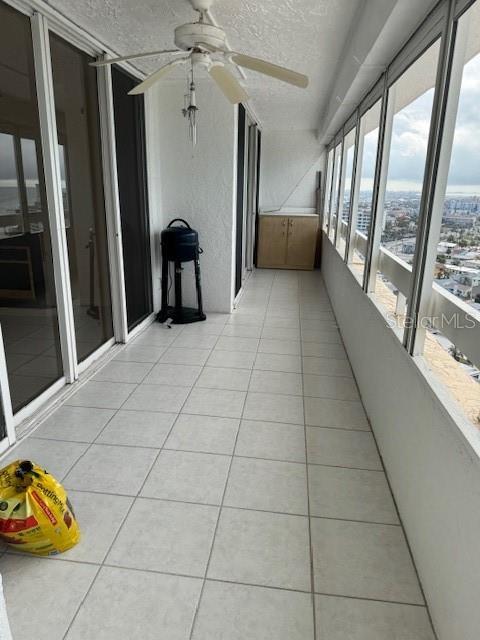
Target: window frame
pixel 349 127
pixel 440 24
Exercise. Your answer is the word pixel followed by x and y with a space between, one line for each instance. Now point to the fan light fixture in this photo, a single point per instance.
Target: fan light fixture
pixel 190 109
pixel 205 45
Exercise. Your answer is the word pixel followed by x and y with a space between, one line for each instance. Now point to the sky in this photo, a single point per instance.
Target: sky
pixel 465 162
pixel 410 138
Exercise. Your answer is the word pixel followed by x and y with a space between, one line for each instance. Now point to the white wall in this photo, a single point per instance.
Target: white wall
pixel 195 183
pixel 433 470
pixel 379 30
pixel 288 171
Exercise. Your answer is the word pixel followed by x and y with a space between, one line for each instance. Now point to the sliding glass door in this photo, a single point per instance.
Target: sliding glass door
pixel 132 190
pixel 28 305
pixel 58 246
pixel 78 129
pixel 248 150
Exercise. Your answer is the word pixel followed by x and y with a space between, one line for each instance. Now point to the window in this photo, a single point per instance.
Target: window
pixel 365 174
pixel 445 288
pixel 76 106
pixel 407 128
pixel 452 342
pixel 335 188
pixel 344 205
pixel 28 306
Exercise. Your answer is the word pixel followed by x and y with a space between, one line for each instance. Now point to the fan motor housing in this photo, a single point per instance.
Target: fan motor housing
pixel 189 36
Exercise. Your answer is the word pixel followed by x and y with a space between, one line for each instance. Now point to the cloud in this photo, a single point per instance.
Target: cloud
pixel 465 159
pixel 410 133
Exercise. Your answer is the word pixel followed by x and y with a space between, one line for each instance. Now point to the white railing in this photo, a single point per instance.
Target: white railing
pixel 455 319
pixel 360 243
pixel 333 224
pixel 395 270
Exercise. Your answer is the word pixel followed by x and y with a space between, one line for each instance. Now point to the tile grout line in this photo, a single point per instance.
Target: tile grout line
pixel 134 498
pixel 217 505
pixel 222 506
pixel 208 415
pixel 384 470
pixel 225 581
pixel 203 452
pixel 407 542
pixel 138 496
pixel 136 385
pixel 70 390
pixel 199 602
pixel 312 572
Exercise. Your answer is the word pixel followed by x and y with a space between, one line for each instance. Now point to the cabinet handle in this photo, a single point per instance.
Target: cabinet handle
pixel 284 222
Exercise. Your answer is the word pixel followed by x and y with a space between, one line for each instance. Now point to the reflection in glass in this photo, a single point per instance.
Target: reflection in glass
pixel 28 312
pixel 30 174
pixel 76 106
pixel 10 205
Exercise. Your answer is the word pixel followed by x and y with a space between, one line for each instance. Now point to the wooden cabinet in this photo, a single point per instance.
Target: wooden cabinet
pixel 272 241
pixel 287 242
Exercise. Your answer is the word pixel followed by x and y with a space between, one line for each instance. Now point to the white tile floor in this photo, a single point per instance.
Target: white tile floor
pixel 30 337
pixel 186 461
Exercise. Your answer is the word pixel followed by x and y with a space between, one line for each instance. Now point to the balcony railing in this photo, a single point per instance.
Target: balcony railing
pixel 455 319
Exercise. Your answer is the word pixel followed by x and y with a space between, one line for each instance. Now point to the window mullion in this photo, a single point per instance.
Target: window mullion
pixel 341 185
pixel 327 190
pixel 444 112
pixel 354 192
pixel 330 195
pixel 380 181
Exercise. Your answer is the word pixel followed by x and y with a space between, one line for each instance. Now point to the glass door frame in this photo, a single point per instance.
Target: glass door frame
pixel 247 175
pixel 45 19
pixel 251 199
pixel 5 403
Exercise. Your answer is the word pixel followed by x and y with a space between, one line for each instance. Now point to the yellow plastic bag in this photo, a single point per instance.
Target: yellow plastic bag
pixel 35 513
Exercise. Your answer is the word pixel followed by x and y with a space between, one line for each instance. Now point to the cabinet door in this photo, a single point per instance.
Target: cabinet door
pixel 272 241
pixel 302 241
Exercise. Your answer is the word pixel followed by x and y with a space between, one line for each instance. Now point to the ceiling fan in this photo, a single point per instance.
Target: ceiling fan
pixel 205 44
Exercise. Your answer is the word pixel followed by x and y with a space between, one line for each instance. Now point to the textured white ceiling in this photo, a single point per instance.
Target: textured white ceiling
pixel 305 35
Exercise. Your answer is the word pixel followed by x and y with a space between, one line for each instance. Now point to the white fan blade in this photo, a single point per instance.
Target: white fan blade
pixel 134 56
pixel 155 76
pixel 228 84
pixel 270 69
